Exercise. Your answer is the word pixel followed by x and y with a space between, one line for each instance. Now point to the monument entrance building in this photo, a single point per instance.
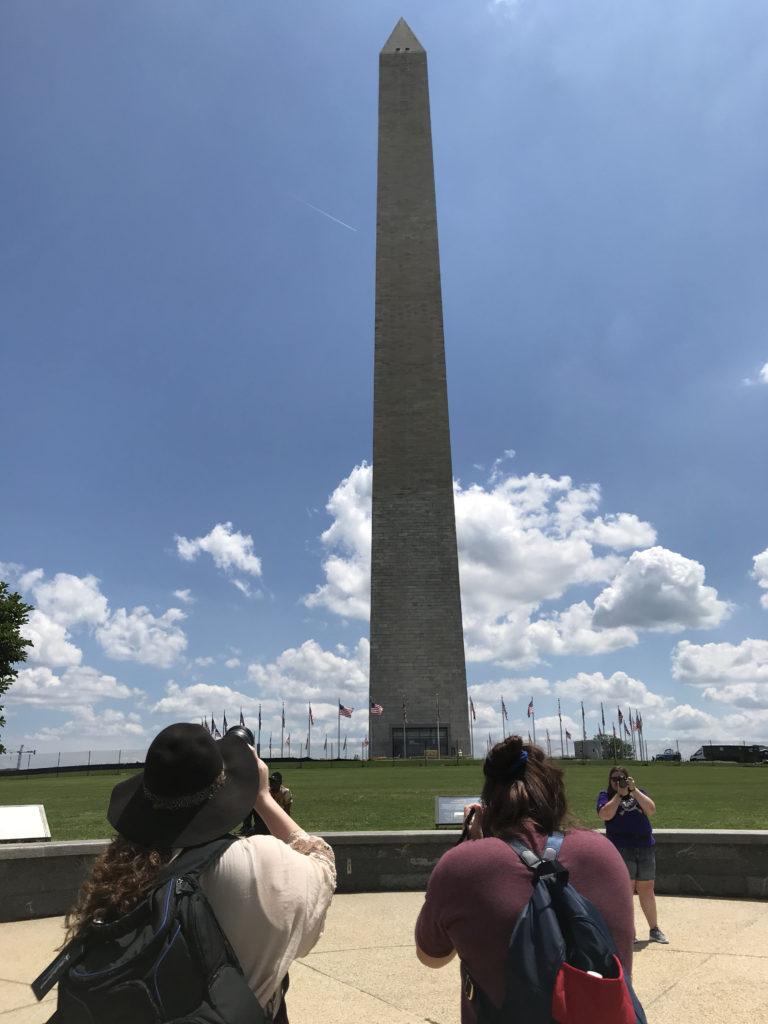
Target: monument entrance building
pixel 417 669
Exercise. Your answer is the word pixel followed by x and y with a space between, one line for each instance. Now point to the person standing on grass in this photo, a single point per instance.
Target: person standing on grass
pixel 626 811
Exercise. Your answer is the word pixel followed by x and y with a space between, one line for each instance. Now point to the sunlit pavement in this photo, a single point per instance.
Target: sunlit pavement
pixel 364 970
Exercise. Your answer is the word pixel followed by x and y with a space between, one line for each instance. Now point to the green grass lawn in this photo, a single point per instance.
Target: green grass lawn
pixel 341 796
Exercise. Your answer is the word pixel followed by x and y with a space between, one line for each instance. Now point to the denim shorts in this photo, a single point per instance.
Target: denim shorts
pixel 640 861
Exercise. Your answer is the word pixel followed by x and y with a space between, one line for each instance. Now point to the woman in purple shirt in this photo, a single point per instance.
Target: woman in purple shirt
pixel 626 811
pixel 478 889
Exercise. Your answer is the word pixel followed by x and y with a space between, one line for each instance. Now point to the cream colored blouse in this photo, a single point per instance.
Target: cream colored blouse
pixel 270 899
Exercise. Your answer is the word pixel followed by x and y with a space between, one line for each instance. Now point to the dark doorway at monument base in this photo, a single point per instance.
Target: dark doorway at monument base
pixel 421 741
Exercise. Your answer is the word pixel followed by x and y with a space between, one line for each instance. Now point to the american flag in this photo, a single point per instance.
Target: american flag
pixel 215 730
pixel 205 723
pixel 259 718
pixel 283 714
pixel 472 710
pixel 346 712
pixel 626 730
pixel 365 742
pixel 568 735
pixel 639 724
pixel 306 744
pixel 602 715
pixel 621 717
pixel 224 723
pixel 242 720
pixel 504 714
pixel 405 713
pixel 376 709
pixel 530 707
pixel 311 716
pixel 325 745
pixel 345 743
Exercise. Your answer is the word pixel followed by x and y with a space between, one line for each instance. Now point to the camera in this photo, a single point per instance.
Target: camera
pixel 243 733
pixel 622 781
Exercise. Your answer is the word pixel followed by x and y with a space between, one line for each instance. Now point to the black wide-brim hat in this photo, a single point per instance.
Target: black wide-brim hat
pixel 193 789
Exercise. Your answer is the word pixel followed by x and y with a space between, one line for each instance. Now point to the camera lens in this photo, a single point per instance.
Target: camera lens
pixel 243 733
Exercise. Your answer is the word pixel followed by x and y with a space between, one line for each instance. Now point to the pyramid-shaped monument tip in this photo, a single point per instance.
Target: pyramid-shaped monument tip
pixel 402 40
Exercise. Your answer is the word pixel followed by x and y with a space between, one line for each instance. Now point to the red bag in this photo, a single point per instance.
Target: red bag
pixel 580 998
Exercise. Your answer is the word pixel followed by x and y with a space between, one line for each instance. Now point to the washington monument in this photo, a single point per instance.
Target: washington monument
pixel 417 648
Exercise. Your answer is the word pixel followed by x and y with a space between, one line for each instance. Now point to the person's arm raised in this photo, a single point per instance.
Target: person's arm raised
pixel 646 804
pixel 608 810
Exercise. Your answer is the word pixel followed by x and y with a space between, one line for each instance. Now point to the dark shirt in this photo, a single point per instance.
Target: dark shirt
pixel 478 890
pixel 630 825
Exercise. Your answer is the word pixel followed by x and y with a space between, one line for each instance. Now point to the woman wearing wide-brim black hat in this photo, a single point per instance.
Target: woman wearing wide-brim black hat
pixel 270 893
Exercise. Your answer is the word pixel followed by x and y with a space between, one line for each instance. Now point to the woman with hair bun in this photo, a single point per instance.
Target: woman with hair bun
pixel 479 888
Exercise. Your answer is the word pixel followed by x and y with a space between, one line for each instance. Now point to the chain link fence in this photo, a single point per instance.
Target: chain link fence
pixel 26 760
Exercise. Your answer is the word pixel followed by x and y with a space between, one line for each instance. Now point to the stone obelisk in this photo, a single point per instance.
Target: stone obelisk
pixel 417 645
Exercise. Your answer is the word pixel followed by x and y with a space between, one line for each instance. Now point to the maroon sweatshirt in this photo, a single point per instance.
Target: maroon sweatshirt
pixel 478 889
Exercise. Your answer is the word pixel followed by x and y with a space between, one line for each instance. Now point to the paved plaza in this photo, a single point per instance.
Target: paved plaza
pixel 364 970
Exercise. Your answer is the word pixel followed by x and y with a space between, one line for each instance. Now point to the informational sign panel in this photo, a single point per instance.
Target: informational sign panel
pixel 449 810
pixel 24 823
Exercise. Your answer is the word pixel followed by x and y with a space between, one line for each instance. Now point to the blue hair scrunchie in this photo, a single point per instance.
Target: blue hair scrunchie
pixel 510 772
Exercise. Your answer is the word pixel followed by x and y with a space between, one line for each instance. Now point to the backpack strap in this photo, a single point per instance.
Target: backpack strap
pixel 548 864
pixel 194 860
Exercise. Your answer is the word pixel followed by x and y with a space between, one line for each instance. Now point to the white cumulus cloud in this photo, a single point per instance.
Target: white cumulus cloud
pixel 660 590
pixel 728 673
pixel 184 595
pixel 141 636
pixel 51 642
pixel 760 574
pixel 524 541
pixel 67 599
pixel 230 550
pixel 616 689
pixel 76 686
pixel 88 722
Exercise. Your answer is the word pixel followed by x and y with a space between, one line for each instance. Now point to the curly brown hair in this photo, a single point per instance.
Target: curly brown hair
pixel 535 793
pixel 119 880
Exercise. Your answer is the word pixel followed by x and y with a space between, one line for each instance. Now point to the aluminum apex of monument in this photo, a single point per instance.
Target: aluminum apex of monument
pixel 417 644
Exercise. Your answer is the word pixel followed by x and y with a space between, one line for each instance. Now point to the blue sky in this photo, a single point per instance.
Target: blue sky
pixel 187 348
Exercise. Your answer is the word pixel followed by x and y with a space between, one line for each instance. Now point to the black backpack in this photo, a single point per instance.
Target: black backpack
pixel 166 961
pixel 558 939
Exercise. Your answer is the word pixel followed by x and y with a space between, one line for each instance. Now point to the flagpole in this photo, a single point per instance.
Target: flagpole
pixel 549 745
pixel 282 732
pixel 584 729
pixel 471 729
pixel 258 738
pixel 270 746
pixel 437 703
pixel 338 728
pixel 309 732
pixel 404 722
pixel 560 716
pixel 503 729
pixel 533 724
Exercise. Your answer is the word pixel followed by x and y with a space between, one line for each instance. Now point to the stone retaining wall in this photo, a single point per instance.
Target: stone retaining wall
pixel 41 879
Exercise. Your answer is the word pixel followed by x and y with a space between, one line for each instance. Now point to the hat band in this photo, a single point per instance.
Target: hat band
pixel 177 803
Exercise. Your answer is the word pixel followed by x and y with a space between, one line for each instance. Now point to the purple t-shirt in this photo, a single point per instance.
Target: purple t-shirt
pixel 630 825
pixel 478 890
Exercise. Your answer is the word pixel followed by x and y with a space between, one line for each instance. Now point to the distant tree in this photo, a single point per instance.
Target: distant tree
pixel 614 749
pixel 13 647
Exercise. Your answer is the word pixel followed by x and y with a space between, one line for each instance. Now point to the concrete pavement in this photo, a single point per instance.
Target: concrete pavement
pixel 364 970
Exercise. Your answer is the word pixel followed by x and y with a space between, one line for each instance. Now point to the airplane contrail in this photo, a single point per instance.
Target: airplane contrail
pixel 324 212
